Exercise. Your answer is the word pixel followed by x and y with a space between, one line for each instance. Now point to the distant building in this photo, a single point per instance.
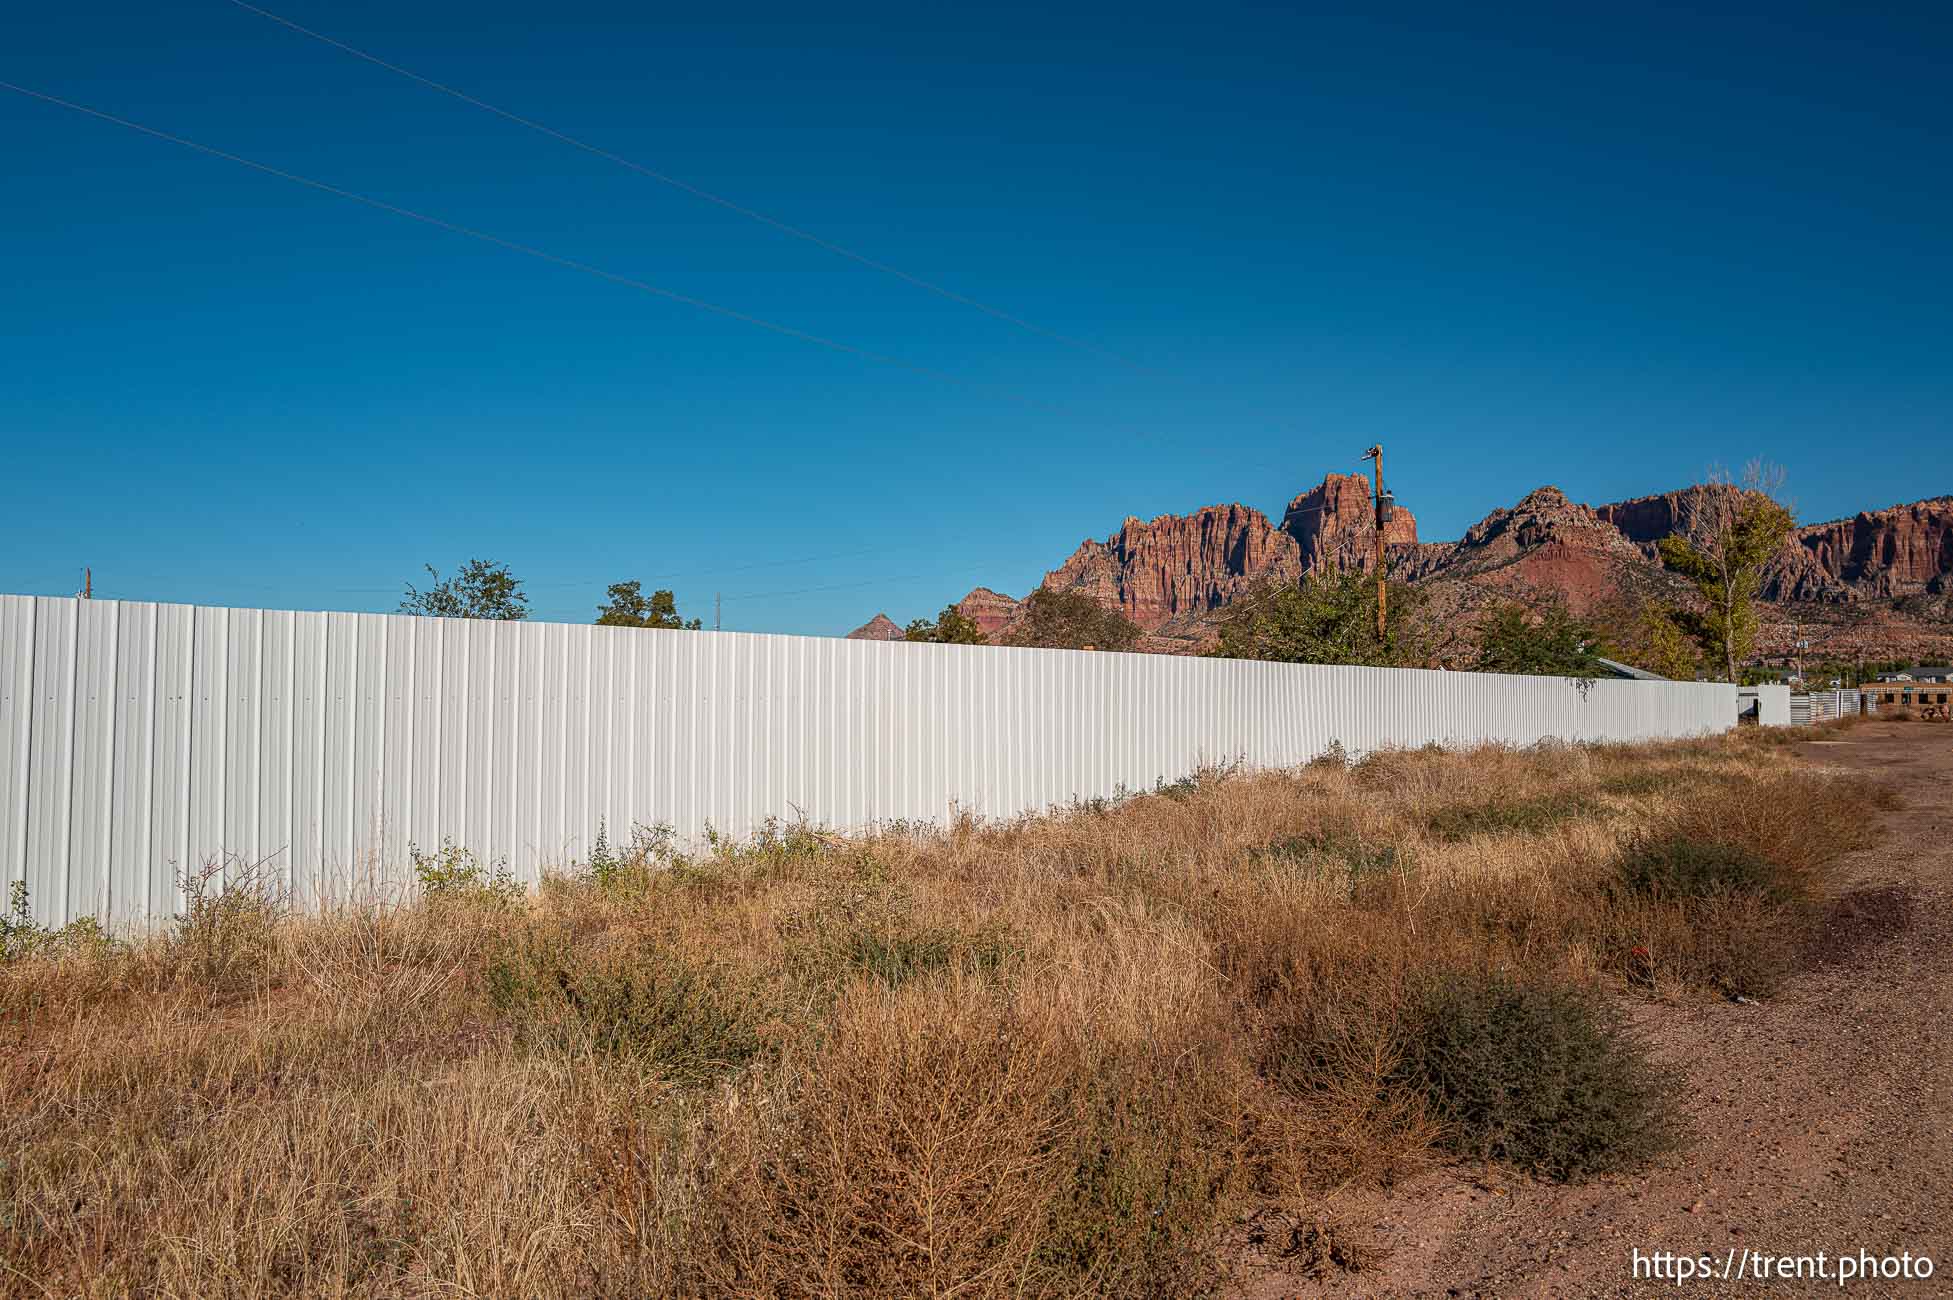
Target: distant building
pixel 1929 673
pixel 1930 699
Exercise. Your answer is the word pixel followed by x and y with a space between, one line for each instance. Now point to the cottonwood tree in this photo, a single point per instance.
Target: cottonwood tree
pixel 483 589
pixel 951 627
pixel 1071 620
pixel 630 607
pixel 1663 644
pixel 1726 535
pixel 1326 619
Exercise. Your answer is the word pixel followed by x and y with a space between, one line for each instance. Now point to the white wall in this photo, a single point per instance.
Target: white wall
pixel 136 739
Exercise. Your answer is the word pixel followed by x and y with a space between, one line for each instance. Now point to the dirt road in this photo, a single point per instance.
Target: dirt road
pixel 1823 1117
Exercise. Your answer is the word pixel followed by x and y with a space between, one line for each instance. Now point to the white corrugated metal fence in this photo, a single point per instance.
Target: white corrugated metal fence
pixel 140 739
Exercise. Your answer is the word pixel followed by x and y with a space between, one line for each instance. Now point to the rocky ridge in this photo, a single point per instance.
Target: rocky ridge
pixel 1878 583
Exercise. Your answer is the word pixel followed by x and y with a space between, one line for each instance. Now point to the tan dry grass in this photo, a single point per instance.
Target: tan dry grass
pixel 1055 1057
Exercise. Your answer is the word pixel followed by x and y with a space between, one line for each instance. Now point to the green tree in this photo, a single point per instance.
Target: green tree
pixel 1727 535
pixel 1666 646
pixel 630 607
pixel 1647 632
pixel 483 589
pixel 1071 620
pixel 1543 640
pixel 1327 619
pixel 950 628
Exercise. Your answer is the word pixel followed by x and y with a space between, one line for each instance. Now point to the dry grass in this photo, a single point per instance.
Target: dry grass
pixel 1063 1056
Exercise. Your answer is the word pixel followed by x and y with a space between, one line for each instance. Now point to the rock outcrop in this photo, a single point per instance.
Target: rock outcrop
pixel 1795 574
pixel 991 611
pixel 1900 551
pixel 1546 546
pixel 879 628
pixel 1159 569
pixel 1174 574
pixel 1334 525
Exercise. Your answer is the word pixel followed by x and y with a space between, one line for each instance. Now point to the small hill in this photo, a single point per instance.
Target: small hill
pixel 879 628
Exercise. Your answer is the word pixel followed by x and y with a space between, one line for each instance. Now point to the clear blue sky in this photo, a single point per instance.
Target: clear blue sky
pixel 1520 244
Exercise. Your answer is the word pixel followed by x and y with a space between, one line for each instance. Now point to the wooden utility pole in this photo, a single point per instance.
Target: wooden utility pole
pixel 1376 489
pixel 87 583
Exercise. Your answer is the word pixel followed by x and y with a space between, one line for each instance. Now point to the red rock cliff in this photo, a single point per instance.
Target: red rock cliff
pixel 989 610
pixel 1900 551
pixel 1178 564
pixel 1334 525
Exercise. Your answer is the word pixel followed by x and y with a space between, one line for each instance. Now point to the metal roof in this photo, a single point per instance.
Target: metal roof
pixel 1615 668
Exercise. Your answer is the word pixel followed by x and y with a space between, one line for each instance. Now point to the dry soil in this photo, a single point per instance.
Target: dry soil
pixel 1822 1118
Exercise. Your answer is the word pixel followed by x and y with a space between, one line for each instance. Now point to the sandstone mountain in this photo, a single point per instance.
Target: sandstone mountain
pixel 990 610
pixel 1174 570
pixel 879 628
pixel 1877 584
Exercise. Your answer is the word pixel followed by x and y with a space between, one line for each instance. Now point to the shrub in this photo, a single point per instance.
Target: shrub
pixel 1538 1075
pixel 871 928
pixel 1638 782
pixel 779 848
pixel 455 873
pixel 1739 944
pixel 22 936
pixel 1143 1186
pixel 226 935
pixel 691 1023
pixel 1507 814
pixel 1341 845
pixel 1394 768
pixel 1202 778
pixel 1333 759
pixel 650 853
pixel 895 958
pixel 1679 866
pixel 1071 620
pixel 909 1154
pixel 1325 619
pixel 1799 820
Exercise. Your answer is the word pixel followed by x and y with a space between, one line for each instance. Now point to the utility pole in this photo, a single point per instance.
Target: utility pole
pixel 1382 517
pixel 87 583
pixel 715 611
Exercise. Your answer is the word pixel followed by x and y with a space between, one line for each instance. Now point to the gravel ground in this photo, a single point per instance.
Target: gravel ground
pixel 1823 1117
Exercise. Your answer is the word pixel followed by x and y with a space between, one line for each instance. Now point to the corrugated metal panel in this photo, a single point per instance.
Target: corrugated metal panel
pixel 139 740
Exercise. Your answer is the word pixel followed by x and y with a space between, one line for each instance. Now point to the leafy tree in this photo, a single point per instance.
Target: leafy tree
pixel 1649 633
pixel 1327 619
pixel 1727 535
pixel 483 589
pixel 1543 640
pixel 1665 644
pixel 1071 620
pixel 950 628
pixel 630 607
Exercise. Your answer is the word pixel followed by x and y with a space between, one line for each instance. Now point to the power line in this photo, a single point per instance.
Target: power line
pixel 527 585
pixel 694 190
pixel 838 586
pixel 527 250
pixel 715 573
